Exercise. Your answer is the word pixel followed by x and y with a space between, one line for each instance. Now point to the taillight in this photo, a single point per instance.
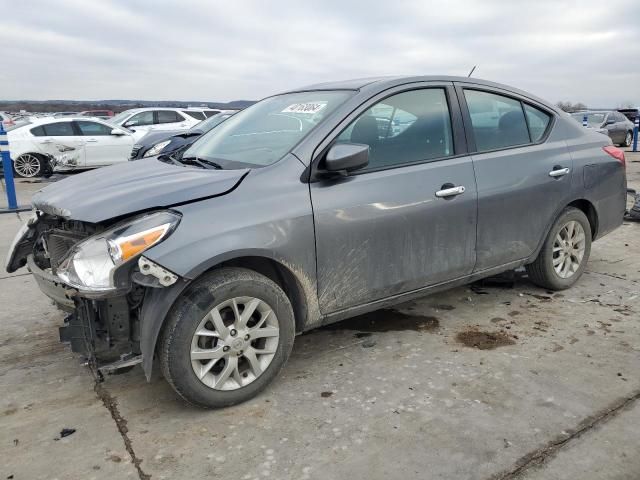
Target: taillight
pixel 616 153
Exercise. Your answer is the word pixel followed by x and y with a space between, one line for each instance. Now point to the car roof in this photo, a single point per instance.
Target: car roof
pixel 383 83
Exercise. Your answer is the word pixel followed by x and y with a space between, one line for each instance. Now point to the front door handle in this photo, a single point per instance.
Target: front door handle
pixel 46 142
pixel 450 191
pixel 558 172
pixel 91 140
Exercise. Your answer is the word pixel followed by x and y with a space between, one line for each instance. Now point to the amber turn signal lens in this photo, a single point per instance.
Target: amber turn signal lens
pixel 134 244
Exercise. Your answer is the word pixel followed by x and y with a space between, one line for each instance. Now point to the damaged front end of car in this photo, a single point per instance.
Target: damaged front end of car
pixel 97 274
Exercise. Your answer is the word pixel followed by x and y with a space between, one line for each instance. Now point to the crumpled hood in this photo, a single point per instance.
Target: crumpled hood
pixel 118 190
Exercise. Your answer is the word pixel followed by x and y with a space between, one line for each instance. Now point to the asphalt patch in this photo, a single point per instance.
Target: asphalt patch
pixel 484 340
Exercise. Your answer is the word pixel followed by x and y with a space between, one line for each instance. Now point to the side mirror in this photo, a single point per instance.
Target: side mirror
pixel 610 121
pixel 347 157
pixel 129 124
pixel 118 132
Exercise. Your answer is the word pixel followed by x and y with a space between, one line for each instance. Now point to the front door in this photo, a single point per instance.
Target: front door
pixel 406 221
pixel 523 171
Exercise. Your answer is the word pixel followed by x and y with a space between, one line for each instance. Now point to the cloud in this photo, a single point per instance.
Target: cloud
pixel 202 50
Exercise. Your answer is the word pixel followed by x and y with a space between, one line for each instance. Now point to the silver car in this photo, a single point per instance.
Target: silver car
pixel 309 207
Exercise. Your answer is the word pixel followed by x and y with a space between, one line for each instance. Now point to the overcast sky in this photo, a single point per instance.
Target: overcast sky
pixel 587 50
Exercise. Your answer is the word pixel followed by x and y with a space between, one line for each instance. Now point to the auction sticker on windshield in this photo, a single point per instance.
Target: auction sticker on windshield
pixel 307 107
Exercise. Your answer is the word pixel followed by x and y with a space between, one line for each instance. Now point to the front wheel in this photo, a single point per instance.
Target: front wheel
pixel 628 139
pixel 565 252
pixel 227 338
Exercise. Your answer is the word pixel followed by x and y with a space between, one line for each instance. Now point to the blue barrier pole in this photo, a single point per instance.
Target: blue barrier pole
pixel 7 166
pixel 585 121
pixel 636 126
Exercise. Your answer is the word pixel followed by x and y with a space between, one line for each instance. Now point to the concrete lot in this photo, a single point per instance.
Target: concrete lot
pixel 396 394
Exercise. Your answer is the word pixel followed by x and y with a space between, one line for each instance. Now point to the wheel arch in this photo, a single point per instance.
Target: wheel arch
pixel 159 301
pixel 590 211
pixel 582 204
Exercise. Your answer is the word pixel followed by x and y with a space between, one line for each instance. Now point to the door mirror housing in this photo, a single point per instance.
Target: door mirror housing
pixel 118 132
pixel 346 157
pixel 610 121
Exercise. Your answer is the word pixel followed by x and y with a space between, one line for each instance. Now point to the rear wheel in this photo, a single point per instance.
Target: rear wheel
pixel 28 165
pixel 227 338
pixel 565 252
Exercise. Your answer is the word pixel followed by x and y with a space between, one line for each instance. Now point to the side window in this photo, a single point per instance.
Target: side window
pixel 407 127
pixel 497 121
pixel 139 119
pixel 168 116
pixel 93 128
pixel 60 129
pixel 538 122
pixel 38 132
pixel 192 114
pixel 211 113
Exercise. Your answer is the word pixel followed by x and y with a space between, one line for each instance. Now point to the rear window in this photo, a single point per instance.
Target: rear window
pixel 168 116
pixel 38 131
pixel 60 129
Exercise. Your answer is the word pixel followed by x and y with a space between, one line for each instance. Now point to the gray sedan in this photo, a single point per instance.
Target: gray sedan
pixel 612 123
pixel 309 207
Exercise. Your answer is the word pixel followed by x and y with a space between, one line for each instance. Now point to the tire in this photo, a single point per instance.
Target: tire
pixel 200 381
pixel 543 272
pixel 29 165
pixel 628 139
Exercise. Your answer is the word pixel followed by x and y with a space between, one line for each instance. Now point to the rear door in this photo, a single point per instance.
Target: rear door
pixel 407 220
pixel 101 147
pixel 61 141
pixel 523 172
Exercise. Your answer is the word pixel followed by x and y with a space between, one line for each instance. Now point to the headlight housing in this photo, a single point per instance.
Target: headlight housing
pixel 91 264
pixel 156 149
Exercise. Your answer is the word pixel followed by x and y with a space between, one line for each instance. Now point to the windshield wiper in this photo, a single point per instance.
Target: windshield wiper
pixel 203 162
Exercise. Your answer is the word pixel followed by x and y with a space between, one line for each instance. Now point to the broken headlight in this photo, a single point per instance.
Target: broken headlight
pixel 156 149
pixel 91 264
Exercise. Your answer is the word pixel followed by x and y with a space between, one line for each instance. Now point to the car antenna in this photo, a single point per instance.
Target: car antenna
pixel 472 70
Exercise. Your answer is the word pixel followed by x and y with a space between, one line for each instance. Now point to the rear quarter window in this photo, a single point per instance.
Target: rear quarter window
pixel 538 122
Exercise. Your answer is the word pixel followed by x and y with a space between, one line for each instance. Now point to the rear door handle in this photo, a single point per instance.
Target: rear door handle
pixel 450 192
pixel 46 142
pixel 559 172
pixel 91 140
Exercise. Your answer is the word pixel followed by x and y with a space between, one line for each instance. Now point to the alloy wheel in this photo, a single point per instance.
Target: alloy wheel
pixel 27 165
pixel 235 343
pixel 568 249
pixel 628 139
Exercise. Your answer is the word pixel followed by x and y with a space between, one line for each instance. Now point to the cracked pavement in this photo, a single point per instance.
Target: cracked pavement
pixel 399 398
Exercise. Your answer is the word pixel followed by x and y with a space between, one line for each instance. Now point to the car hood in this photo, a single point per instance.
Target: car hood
pixel 124 189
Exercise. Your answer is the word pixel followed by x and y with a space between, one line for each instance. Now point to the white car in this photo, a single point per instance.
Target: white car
pixel 47 144
pixel 159 118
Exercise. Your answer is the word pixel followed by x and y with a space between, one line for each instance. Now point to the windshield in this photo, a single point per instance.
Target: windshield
pixel 119 118
pixel 263 133
pixel 593 119
pixel 209 123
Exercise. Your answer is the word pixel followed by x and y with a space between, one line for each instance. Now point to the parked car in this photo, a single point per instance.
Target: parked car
pixel 168 141
pixel 102 114
pixel 300 211
pixel 39 146
pixel 611 123
pixel 7 120
pixel 145 119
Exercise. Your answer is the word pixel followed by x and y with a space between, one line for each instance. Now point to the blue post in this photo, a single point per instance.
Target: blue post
pixel 585 121
pixel 7 166
pixel 636 125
